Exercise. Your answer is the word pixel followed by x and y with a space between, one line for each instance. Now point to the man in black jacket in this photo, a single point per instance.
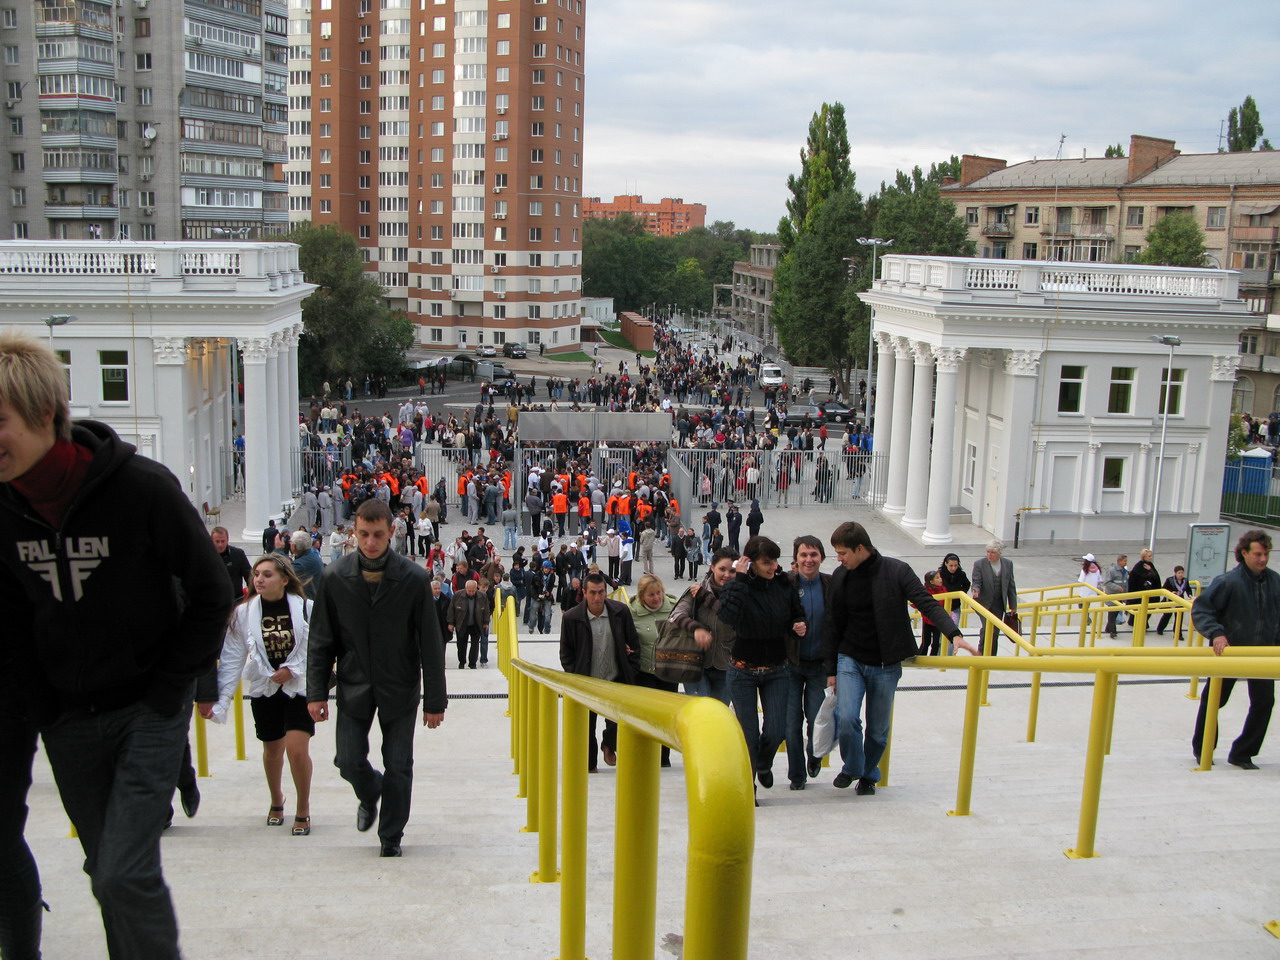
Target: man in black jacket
pixel 867 636
pixel 375 617
pixel 103 652
pixel 598 639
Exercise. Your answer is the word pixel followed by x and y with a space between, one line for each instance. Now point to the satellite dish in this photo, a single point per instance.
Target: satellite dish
pixel 148 132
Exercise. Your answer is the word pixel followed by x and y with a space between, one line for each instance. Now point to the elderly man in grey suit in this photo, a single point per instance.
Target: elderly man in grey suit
pixel 993 585
pixel 376 618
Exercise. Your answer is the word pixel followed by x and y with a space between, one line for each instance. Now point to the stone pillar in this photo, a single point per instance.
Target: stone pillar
pixel 171 396
pixel 882 435
pixel 1191 480
pixel 900 439
pixel 1089 479
pixel 1139 502
pixel 1023 370
pixel 920 449
pixel 1207 479
pixel 258 400
pixel 937 529
pixel 287 415
pixel 272 408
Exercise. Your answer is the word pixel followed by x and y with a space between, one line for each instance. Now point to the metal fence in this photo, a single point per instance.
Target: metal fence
pixel 1251 490
pixel 778 477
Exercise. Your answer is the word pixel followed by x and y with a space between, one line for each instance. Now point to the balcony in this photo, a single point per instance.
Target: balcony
pixel 998 228
pixel 1259 363
pixel 1254 234
pixel 1094 231
pixel 1060 228
pixel 79 210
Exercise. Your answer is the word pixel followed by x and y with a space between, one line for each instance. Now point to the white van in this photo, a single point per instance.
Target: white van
pixel 771 375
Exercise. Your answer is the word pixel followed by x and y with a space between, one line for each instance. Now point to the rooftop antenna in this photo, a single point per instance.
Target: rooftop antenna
pixel 1053 250
pixel 1062 139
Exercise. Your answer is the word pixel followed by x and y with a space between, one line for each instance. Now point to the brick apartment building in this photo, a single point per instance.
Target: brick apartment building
pixel 1099 211
pixel 666 218
pixel 448 138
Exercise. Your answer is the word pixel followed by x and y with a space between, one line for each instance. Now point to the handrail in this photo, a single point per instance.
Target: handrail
pixel 718 791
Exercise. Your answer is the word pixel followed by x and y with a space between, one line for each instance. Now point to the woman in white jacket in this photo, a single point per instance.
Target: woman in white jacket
pixel 266 643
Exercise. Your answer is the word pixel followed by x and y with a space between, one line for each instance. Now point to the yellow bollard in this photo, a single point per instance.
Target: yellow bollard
pixel 1033 709
pixel 531 734
pixel 635 887
pixel 1210 733
pixel 968 743
pixel 548 763
pixel 1091 792
pixel 239 722
pixel 988 640
pixel 573 833
pixel 884 760
pixel 1272 927
pixel 202 747
pixel 1140 623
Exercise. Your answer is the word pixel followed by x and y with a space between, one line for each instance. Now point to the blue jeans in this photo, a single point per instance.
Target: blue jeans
pixel 770 685
pixel 807 688
pixel 116 772
pixel 508 538
pixel 854 682
pixel 711 684
pixel 394 787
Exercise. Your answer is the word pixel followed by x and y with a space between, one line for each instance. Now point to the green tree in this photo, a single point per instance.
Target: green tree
pixel 1244 127
pixel 1176 240
pixel 688 287
pixel 347 326
pixel 1114 150
pixel 621 260
pixel 914 214
pixel 824 170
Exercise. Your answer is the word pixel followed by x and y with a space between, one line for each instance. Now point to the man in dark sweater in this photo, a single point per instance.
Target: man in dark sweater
pixel 102 653
pixel 867 635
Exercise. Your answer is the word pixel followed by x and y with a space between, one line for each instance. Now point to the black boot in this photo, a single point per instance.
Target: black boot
pixel 20 932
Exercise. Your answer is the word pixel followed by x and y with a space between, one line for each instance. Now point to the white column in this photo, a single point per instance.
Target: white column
pixel 171 396
pixel 1089 479
pixel 900 430
pixel 272 407
pixel 1213 410
pixel 1143 456
pixel 882 435
pixel 1191 480
pixel 937 527
pixel 287 417
pixel 1022 369
pixel 920 452
pixel 258 501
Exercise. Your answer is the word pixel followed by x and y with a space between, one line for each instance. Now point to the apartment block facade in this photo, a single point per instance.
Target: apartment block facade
pixel 446 135
pixel 750 296
pixel 666 218
pixel 144 119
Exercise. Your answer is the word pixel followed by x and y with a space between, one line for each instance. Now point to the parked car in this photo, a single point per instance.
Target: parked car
pixel 486 350
pixel 771 375
pixel 829 412
pixel 516 350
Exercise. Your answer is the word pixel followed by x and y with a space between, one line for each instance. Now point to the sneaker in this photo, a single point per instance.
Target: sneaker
pixel 842 780
pixel 865 787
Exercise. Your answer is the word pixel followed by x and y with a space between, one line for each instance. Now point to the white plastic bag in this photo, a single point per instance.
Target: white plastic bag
pixel 824 726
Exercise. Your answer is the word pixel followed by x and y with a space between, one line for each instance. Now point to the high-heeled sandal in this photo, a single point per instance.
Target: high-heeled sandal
pixel 302 826
pixel 275 819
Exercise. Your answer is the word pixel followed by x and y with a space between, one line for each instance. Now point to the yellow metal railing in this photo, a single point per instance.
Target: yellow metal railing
pixel 721 810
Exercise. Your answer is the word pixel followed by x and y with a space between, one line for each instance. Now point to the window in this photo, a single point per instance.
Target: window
pixel 115 375
pixel 1120 394
pixel 535 208
pixel 1217 218
pixel 15 126
pixel 1071 389
pixel 504 20
pixel 502 47
pixel 1031 216
pixel 971 216
pixel 537 129
pixel 539 23
pixel 18 196
pixel 535 156
pixel 502 74
pixel 1242 396
pixel 10 19
pixel 1113 473
pixel 12 53
pixel 1134 216
pixel 1248 343
pixel 535 259
pixel 535 312
pixel 142 61
pixel 20 230
pixel 17 162
pixel 535 234
pixel 1174 386
pixel 1131 251
pixel 1030 251
pixel 147 231
pixel 539 51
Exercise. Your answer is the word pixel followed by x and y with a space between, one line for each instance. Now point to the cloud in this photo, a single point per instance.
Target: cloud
pixel 710 100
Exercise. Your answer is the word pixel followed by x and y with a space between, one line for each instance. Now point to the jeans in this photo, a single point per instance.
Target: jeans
pixel 473 641
pixel 657 683
pixel 544 615
pixel 20 907
pixel 394 787
pixel 116 772
pixel 508 538
pixel 854 682
pixel 806 690
pixel 770 685
pixel 1262 698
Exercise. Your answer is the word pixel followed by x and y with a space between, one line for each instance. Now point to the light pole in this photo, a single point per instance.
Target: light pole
pixel 1169 341
pixel 875 243
pixel 57 320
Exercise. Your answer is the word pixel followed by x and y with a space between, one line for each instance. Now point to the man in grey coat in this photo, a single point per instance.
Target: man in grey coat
pixel 375 617
pixel 993 585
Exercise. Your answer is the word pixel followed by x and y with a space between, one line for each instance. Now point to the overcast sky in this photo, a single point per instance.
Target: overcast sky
pixel 710 100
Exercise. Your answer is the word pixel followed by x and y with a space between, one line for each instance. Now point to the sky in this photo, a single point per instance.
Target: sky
pixel 710 100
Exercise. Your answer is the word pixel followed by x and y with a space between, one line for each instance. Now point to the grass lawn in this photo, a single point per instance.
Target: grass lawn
pixel 622 343
pixel 1252 506
pixel 576 357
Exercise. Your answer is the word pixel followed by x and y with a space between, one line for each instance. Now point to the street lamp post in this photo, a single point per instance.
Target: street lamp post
pixel 875 243
pixel 1169 341
pixel 57 320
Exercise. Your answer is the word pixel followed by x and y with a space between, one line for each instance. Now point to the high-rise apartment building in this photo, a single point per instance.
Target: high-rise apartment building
pixel 446 135
pixel 144 119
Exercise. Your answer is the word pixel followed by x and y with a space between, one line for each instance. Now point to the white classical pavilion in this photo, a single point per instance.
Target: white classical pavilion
pixel 152 352
pixel 1007 386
